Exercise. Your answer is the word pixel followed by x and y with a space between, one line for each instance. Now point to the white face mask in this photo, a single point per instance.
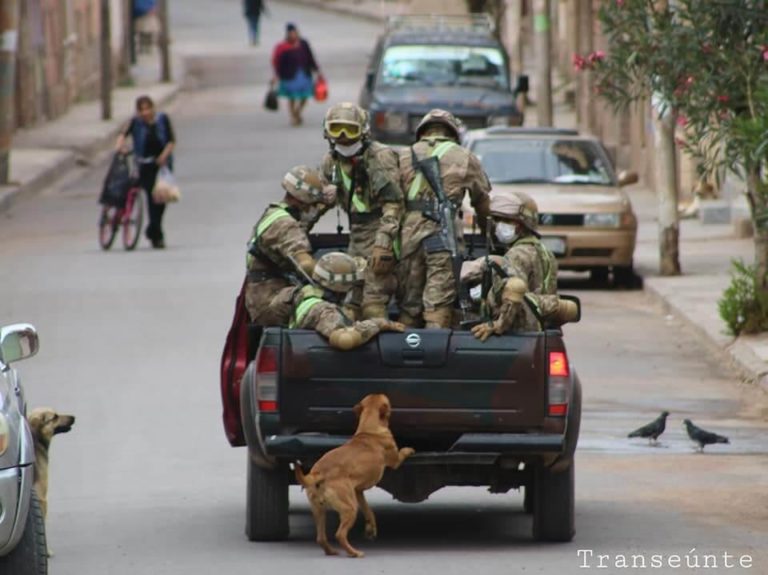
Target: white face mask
pixel 350 150
pixel 506 233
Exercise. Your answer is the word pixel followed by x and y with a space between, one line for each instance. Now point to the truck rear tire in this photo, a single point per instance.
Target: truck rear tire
pixel 266 515
pixel 30 557
pixel 553 504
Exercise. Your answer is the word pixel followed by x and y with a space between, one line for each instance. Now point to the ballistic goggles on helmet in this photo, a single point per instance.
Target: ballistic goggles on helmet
pixel 337 128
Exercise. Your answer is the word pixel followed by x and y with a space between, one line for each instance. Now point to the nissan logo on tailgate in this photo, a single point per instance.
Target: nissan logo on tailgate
pixel 413 340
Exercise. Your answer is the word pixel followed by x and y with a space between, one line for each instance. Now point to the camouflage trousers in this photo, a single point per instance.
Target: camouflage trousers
pixel 425 282
pixel 377 289
pixel 263 305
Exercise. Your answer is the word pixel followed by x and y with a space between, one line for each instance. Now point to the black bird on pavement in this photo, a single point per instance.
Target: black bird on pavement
pixel 703 437
pixel 652 430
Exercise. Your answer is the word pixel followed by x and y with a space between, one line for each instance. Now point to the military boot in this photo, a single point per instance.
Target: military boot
pixel 409 320
pixel 441 317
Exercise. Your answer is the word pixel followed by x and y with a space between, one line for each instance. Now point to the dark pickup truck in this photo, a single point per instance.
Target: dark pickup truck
pixel 503 414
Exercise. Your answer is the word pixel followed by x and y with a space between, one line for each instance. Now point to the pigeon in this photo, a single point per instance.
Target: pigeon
pixel 652 430
pixel 703 437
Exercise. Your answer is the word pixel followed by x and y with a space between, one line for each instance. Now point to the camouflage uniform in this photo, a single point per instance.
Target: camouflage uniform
pixel 276 236
pixel 374 209
pixel 427 283
pixel 311 311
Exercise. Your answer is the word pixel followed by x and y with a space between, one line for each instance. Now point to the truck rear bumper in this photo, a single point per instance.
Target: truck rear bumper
pixel 474 448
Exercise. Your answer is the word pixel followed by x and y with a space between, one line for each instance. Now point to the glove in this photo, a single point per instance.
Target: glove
pixel 382 260
pixel 387 325
pixel 329 194
pixel 483 331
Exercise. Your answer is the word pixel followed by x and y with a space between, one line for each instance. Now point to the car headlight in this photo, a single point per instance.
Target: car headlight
pixel 502 120
pixel 5 432
pixel 606 220
pixel 391 121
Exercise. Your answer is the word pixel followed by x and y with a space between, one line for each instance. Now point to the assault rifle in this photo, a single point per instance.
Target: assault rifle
pixel 445 215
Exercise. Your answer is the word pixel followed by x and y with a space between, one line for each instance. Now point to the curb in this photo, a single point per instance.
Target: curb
pixel 338 9
pixel 737 355
pixel 55 172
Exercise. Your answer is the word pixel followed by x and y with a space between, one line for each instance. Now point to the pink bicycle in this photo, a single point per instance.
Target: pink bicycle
pixel 130 217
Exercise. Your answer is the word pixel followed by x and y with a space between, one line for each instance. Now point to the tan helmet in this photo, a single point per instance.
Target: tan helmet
pixel 516 206
pixel 443 118
pixel 304 184
pixel 347 119
pixel 338 271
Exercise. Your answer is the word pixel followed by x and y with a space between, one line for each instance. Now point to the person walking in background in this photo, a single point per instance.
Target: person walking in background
pixel 252 10
pixel 153 143
pixel 294 64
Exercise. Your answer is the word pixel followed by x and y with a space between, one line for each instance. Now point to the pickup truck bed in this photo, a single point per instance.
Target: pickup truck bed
pixel 504 414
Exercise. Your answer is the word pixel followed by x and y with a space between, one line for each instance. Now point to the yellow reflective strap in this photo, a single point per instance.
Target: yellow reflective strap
pixel 345 179
pixel 438 152
pixel 357 203
pixel 303 309
pixel 271 219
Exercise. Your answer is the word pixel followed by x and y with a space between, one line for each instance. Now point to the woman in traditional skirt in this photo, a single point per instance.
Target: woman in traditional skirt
pixel 294 64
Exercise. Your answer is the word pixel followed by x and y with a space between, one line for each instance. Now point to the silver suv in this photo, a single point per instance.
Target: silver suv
pixel 22 529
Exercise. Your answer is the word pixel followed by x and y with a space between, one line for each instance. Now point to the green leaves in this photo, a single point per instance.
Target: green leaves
pixel 744 306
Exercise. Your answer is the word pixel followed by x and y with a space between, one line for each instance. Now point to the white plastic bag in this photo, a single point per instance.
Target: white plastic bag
pixel 166 189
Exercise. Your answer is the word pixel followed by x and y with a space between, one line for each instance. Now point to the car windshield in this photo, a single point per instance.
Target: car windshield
pixel 443 66
pixel 516 161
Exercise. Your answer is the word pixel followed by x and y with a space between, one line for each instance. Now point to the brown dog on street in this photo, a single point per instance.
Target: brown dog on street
pixel 339 477
pixel 44 423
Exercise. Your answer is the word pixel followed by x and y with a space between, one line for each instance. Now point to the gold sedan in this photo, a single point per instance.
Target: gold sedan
pixel 585 217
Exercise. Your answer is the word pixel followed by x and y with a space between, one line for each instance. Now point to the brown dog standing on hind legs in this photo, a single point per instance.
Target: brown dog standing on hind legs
pixel 44 423
pixel 339 477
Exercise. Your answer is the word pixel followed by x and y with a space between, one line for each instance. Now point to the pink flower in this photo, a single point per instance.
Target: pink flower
pixel 682 121
pixel 620 3
pixel 597 56
pixel 765 53
pixel 723 99
pixel 680 142
pixel 689 81
pixel 579 63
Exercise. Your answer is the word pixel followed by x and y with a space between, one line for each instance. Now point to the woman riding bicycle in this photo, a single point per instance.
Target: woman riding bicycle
pixel 153 143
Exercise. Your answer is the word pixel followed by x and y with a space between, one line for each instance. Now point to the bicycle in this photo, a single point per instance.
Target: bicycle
pixel 130 216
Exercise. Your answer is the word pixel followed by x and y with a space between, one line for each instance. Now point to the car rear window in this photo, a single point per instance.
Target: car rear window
pixel 543 161
pixel 443 65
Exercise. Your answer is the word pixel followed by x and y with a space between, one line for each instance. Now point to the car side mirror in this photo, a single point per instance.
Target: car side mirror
pixel 18 341
pixel 369 81
pixel 522 84
pixel 626 178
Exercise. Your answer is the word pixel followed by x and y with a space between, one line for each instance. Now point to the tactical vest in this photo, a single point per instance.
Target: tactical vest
pixel 418 182
pixel 264 223
pixel 546 258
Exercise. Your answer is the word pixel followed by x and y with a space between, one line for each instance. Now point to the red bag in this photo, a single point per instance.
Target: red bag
pixel 321 90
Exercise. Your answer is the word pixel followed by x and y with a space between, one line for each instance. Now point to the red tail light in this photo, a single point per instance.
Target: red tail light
pixel 559 384
pixel 266 379
pixel 558 364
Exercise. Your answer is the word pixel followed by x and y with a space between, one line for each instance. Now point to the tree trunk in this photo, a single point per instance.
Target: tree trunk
pixel 666 192
pixel 9 23
pixel 543 41
pixel 758 202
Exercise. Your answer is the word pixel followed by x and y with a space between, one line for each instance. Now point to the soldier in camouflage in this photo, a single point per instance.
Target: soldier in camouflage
pixel 367 179
pixel 279 245
pixel 318 306
pixel 427 289
pixel 529 270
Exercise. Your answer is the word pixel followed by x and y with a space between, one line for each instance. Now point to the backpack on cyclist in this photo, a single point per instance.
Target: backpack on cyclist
pixel 117 183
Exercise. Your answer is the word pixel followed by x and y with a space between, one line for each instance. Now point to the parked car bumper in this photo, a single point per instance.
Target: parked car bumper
pixel 15 496
pixel 589 248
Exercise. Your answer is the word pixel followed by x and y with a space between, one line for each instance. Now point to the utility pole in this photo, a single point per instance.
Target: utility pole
pixel 9 33
pixel 106 61
pixel 543 42
pixel 165 41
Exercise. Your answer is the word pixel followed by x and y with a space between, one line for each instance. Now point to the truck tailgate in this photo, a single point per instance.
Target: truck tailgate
pixel 436 380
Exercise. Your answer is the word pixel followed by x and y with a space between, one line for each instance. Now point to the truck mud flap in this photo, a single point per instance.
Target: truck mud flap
pixel 234 360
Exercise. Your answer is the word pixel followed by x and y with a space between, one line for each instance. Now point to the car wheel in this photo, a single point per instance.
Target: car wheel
pixel 553 504
pixel 598 275
pixel 266 517
pixel 625 276
pixel 30 557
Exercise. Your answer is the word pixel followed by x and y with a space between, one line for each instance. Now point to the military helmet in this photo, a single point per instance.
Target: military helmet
pixel 338 271
pixel 304 184
pixel 443 118
pixel 516 206
pixel 346 119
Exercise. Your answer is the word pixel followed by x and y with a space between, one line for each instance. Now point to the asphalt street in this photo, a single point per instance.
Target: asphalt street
pixel 130 343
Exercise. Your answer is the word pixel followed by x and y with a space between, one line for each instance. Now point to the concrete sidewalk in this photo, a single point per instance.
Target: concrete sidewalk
pixel 44 153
